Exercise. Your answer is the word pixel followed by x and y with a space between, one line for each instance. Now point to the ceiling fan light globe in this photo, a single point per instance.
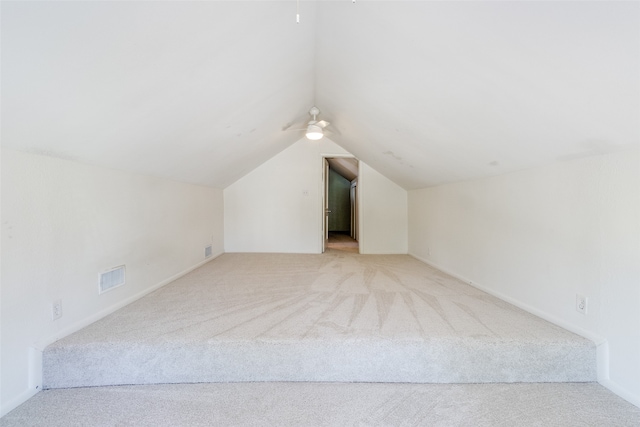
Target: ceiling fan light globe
pixel 314 132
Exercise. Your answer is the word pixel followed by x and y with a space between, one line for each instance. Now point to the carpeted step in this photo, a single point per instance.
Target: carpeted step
pixel 327 404
pixel 370 360
pixel 337 318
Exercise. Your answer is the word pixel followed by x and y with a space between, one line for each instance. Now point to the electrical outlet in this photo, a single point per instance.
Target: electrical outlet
pixel 56 310
pixel 581 304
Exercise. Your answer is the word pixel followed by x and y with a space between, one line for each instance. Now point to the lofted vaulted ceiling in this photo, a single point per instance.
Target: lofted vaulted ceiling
pixel 425 92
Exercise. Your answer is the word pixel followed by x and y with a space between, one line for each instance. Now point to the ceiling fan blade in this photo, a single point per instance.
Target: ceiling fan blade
pixel 322 123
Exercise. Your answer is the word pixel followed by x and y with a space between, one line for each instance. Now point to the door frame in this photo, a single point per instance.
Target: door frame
pixel 324 191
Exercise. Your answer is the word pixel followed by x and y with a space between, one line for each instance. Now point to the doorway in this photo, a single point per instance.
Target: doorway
pixel 340 230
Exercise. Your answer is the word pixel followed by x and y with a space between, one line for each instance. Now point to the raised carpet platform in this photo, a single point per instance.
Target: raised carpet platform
pixel 333 317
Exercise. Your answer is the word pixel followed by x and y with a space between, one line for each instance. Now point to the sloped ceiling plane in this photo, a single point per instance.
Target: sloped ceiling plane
pixel 424 92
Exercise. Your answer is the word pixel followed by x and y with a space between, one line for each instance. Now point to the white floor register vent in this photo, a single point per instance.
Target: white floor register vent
pixel 207 251
pixel 112 278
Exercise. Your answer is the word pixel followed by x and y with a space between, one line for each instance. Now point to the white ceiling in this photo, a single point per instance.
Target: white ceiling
pixel 424 92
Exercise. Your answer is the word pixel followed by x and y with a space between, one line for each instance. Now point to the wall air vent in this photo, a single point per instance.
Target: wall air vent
pixel 112 279
pixel 207 251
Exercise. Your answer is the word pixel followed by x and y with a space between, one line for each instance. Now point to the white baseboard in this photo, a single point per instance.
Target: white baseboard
pixel 602 345
pixel 35 352
pixel 634 399
pixel 34 381
pixel 17 401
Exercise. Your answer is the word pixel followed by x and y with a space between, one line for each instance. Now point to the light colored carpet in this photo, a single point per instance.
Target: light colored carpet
pixel 333 317
pixel 328 404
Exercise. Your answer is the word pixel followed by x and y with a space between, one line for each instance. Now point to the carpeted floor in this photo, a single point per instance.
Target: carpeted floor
pixel 342 242
pixel 382 322
pixel 338 317
pixel 327 404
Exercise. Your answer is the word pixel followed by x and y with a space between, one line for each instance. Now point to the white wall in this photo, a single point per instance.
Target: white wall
pixel 383 213
pixel 540 236
pixel 63 224
pixel 278 206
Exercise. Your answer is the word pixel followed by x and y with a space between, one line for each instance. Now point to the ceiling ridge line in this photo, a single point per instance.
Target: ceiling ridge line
pixel 315 53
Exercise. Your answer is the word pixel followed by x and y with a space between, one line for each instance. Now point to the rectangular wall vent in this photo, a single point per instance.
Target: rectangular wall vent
pixel 112 278
pixel 207 251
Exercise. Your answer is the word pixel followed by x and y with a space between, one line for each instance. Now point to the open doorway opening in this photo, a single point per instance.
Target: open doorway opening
pixel 340 225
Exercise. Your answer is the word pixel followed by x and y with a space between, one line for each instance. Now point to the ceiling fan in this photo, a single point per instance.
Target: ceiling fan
pixel 315 128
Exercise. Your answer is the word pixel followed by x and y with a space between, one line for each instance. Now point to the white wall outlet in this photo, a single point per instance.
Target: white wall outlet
pixel 56 310
pixel 581 304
